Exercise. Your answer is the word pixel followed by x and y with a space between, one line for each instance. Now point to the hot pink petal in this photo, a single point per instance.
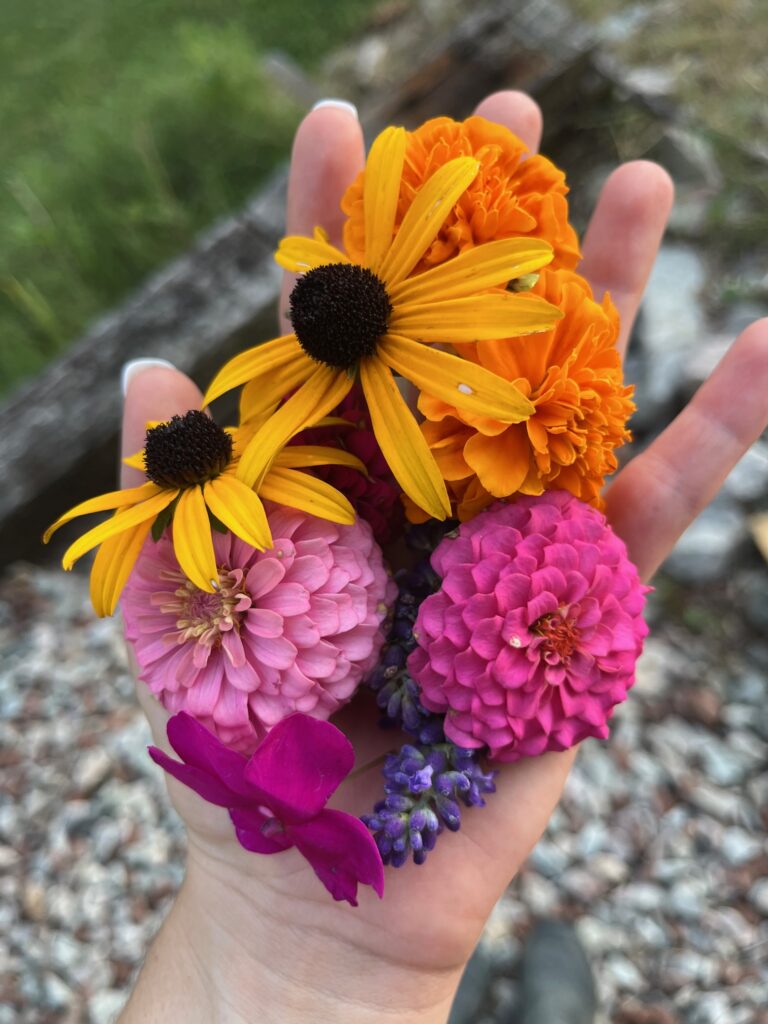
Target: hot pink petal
pixel 298 766
pixel 554 610
pixel 342 852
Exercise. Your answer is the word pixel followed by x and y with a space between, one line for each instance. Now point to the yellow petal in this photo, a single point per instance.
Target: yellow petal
pixel 240 509
pixel 135 461
pixel 426 215
pixel 307 493
pixel 462 383
pixel 124 519
pixel 104 503
pixel 192 542
pixel 112 566
pixel 299 254
pixel 478 318
pixel 260 361
pixel 401 441
pixel 383 171
pixel 333 421
pixel 321 393
pixel 257 401
pixel 300 456
pixel 476 270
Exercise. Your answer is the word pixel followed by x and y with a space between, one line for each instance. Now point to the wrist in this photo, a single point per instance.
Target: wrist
pixel 233 950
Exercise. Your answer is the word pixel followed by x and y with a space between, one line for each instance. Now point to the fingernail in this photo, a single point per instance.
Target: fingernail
pixel 138 366
pixel 339 104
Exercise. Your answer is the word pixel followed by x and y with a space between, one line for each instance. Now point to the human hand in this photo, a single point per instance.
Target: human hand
pixel 251 931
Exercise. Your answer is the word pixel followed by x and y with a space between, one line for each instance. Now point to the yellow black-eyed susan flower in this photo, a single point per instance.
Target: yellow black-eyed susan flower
pixel 191 465
pixel 372 318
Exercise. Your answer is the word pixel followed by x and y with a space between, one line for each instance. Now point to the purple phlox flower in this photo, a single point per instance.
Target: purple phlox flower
pixel 276 798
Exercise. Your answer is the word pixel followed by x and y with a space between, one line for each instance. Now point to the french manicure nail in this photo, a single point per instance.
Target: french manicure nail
pixel 135 366
pixel 350 108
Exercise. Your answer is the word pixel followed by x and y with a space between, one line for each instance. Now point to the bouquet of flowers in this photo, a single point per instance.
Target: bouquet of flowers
pixel 410 504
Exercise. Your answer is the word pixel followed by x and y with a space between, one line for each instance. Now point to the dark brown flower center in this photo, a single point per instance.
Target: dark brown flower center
pixel 187 450
pixel 561 636
pixel 339 313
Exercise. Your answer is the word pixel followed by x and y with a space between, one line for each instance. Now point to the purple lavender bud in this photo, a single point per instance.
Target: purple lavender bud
pixel 401 630
pixel 397 802
pixel 450 812
pixel 395 826
pixel 421 780
pixel 431 731
pixel 393 657
pixel 412 715
pixel 393 704
pixel 437 759
pixel 418 819
pixel 429 838
pixel 384 844
pixel 397 859
pixel 433 823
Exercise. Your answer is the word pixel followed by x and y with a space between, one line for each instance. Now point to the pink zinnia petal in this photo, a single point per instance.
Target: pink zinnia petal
pixel 320 595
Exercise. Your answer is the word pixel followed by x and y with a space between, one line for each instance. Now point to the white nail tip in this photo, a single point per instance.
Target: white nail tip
pixel 135 366
pixel 350 108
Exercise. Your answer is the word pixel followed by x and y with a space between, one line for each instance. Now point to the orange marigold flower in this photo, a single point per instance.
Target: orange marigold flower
pixel 510 197
pixel 572 374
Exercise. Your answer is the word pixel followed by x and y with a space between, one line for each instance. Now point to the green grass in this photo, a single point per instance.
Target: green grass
pixel 127 126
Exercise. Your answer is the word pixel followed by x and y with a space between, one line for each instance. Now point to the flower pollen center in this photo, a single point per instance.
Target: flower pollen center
pixel 561 635
pixel 200 617
pixel 339 313
pixel 187 450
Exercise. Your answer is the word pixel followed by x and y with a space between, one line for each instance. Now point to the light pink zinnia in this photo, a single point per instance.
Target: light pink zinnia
pixel 291 629
pixel 533 637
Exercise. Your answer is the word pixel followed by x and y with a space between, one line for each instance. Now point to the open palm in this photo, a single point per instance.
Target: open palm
pixel 431 916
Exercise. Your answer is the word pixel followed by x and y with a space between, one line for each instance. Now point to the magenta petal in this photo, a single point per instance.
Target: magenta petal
pixel 252 831
pixel 199 748
pixel 298 766
pixel 207 786
pixel 342 852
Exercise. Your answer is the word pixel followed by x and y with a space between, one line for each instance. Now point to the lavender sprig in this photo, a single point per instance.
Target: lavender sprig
pixel 425 783
pixel 396 693
pixel 425 786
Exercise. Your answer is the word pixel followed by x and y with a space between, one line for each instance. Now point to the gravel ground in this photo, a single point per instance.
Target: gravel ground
pixel 657 852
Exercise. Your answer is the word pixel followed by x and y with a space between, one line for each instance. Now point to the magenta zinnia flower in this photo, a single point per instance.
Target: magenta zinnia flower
pixel 533 637
pixel 375 496
pixel 276 798
pixel 294 628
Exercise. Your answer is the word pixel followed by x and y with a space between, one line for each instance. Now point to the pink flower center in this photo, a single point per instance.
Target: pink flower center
pixel 561 635
pixel 202 617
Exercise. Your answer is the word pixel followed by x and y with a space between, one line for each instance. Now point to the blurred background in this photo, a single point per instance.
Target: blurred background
pixel 143 148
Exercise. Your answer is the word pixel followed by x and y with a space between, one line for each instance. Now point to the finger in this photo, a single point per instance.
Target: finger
pixel 152 393
pixel 516 111
pixel 624 234
pixel 662 490
pixel 328 152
